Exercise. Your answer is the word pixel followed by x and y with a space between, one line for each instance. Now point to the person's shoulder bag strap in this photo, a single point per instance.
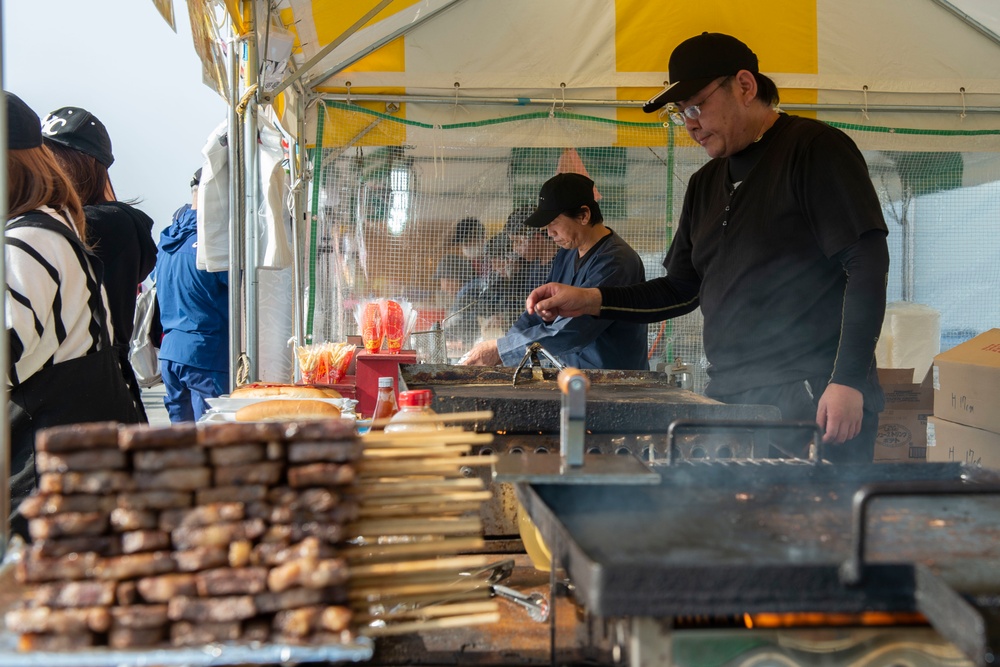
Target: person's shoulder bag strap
pixel 87 259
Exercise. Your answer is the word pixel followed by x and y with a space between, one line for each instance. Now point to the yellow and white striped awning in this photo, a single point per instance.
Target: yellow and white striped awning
pixel 918 54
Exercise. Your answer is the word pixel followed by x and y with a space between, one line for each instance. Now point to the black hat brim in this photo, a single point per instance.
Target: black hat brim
pixel 541 217
pixel 675 92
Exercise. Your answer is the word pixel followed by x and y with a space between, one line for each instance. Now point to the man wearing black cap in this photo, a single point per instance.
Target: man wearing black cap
pixel 770 230
pixel 590 255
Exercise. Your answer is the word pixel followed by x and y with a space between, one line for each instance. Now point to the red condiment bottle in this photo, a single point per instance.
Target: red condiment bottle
pixel 385 402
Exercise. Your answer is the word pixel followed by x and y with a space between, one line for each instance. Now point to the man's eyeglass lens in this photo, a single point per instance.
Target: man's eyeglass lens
pixel 692 111
pixel 677 116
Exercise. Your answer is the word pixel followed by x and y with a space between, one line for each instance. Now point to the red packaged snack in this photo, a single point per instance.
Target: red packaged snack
pixel 393 325
pixel 324 363
pixel 371 327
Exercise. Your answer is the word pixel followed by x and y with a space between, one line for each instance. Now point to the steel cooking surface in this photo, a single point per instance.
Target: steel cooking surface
pixel 617 401
pixel 598 392
pixel 742 538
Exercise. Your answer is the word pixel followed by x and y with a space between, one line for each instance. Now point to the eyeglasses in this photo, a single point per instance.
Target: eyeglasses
pixel 692 111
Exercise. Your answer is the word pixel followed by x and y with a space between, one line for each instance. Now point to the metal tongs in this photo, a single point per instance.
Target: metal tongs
pixel 531 354
pixel 534 603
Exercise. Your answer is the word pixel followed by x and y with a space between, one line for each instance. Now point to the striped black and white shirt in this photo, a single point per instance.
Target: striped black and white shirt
pixel 47 313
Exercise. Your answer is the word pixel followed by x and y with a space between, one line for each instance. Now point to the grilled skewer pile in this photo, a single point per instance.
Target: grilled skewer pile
pixel 188 535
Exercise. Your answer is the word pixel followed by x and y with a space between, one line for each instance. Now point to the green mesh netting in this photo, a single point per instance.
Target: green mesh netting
pixel 388 195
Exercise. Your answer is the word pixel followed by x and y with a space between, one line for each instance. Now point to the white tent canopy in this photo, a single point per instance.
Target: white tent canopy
pixel 917 54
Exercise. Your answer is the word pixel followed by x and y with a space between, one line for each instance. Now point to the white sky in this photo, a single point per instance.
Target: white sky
pixel 121 61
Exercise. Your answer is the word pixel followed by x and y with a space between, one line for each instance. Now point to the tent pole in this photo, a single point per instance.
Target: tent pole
pixel 312 62
pixel 251 188
pixel 376 45
pixel 235 322
pixel 968 20
pixel 5 443
pixel 547 102
pixel 297 163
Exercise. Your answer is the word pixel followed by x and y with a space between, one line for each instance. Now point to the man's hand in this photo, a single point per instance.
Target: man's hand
pixel 553 300
pixel 484 353
pixel 839 413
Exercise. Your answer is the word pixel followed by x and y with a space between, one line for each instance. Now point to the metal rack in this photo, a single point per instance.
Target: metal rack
pixel 213 654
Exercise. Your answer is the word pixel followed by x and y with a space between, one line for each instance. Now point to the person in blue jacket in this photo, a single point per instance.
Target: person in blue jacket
pixel 590 255
pixel 194 313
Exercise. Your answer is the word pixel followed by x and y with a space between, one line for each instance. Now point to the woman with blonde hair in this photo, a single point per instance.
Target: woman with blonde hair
pixel 63 369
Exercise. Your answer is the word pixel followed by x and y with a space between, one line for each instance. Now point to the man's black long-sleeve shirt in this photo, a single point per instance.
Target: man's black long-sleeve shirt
pixel 788 265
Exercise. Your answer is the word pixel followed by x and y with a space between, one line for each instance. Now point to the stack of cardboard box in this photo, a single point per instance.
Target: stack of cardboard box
pixel 902 425
pixel 965 426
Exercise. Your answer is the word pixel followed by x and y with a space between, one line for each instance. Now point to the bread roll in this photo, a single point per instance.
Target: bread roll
pixel 279 390
pixel 287 409
pixel 284 391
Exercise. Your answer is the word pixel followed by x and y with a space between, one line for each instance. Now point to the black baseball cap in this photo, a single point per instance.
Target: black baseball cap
pixel 80 130
pixel 23 128
pixel 698 61
pixel 561 193
pixel 196 179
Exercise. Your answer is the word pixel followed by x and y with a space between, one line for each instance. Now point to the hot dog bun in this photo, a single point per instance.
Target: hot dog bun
pixel 280 410
pixel 283 390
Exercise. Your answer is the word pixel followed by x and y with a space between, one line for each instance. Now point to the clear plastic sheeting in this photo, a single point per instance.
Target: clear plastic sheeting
pixel 389 196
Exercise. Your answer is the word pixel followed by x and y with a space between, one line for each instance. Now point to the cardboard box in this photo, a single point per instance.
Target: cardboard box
pixel 902 425
pixel 967 382
pixel 948 441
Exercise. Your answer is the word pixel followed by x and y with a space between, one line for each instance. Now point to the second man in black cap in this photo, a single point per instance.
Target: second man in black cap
pixel 590 255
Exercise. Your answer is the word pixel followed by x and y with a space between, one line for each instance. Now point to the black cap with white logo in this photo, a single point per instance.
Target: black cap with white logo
pixel 81 130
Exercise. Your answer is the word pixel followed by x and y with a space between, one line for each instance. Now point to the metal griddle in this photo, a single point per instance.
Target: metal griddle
pixel 617 401
pixel 628 413
pixel 759 537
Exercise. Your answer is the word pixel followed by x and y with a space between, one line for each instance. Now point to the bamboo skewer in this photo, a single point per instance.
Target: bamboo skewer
pixel 369 489
pixel 444 417
pixel 442 610
pixel 412 567
pixel 445 450
pixel 434 498
pixel 444 583
pixel 421 592
pixel 418 438
pixel 420 509
pixel 429 474
pixel 423 526
pixel 404 466
pixel 435 624
pixel 448 545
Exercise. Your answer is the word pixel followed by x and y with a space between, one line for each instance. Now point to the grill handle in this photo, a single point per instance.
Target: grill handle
pixel 852 571
pixel 680 425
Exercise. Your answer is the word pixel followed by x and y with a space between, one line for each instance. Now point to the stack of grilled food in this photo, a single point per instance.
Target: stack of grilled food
pixel 277 532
